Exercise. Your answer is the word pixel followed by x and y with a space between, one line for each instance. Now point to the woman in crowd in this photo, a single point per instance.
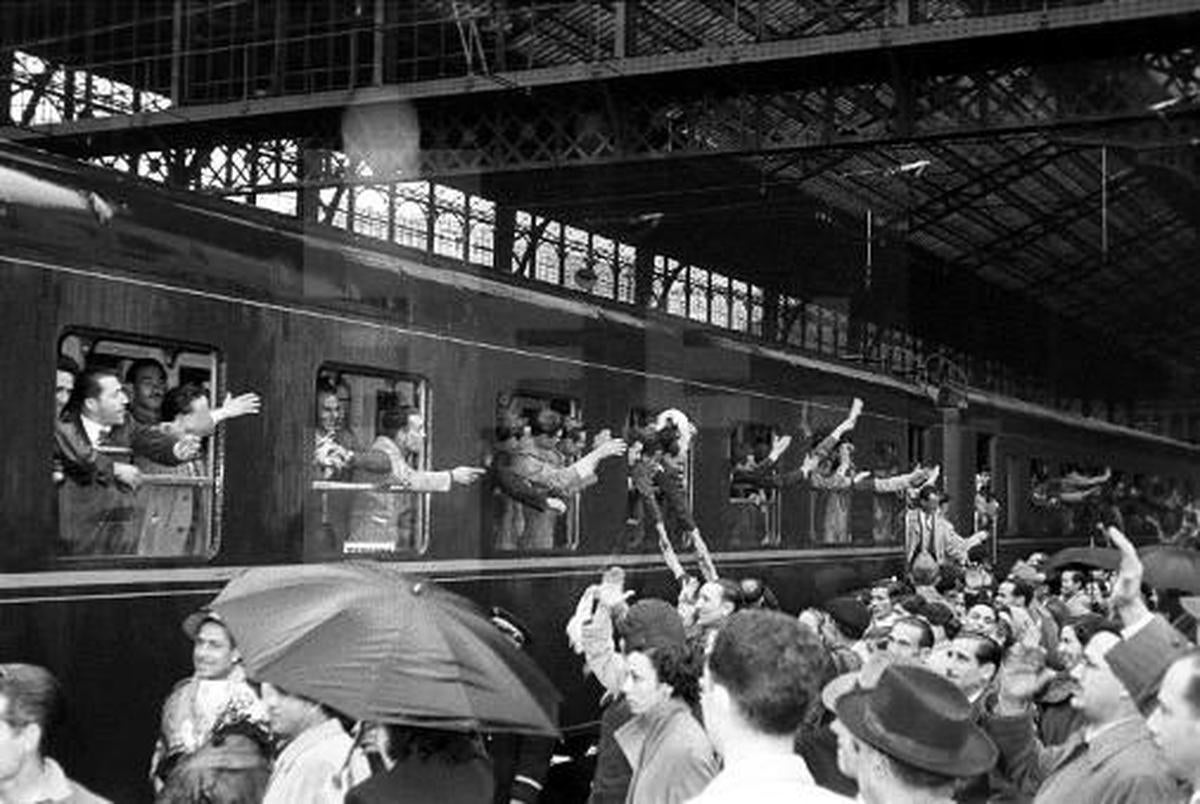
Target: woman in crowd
pixel 667 748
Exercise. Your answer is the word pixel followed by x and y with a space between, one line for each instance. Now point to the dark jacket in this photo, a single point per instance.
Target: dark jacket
pixel 431 780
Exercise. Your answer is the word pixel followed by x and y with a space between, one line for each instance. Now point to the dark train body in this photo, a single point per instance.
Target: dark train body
pixel 274 306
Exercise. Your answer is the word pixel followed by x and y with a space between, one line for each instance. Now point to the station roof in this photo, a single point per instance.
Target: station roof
pixel 1046 152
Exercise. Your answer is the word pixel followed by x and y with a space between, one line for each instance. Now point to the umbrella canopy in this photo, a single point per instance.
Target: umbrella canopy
pixel 381 646
pixel 1170 567
pixel 1105 558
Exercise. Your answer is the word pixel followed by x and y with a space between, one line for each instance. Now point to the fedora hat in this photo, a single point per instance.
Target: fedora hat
pixel 918 717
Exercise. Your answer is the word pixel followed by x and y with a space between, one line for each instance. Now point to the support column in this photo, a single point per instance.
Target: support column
pixel 643 277
pixel 625 34
pixel 958 469
pixel 503 237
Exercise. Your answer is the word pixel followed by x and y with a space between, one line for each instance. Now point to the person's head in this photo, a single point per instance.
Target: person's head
pixel 924 571
pixel 845 451
pixel 911 733
pixel 148 380
pixel 1175 722
pixel 182 404
pixel 657 674
pixel 1077 632
pixel 64 382
pixel 1015 594
pixel 100 397
pixel 329 408
pixel 1071 582
pixel 928 499
pixel 763 677
pixel 981 618
pixel 715 601
pixel 883 599
pixel 971 662
pixel 405 424
pixel 677 429
pixel 29 701
pixel 849 616
pixel 910 638
pixel 291 715
pixel 214 654
pixel 1101 697
pixel 547 422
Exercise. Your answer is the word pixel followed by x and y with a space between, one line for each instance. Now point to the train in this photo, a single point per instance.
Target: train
pixel 105 268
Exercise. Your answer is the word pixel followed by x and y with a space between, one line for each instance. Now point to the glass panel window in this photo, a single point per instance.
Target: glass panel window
pixel 535 499
pixel 370 464
pixel 136 463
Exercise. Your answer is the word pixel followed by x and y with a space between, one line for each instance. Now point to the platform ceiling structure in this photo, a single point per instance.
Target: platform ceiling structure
pixel 1017 179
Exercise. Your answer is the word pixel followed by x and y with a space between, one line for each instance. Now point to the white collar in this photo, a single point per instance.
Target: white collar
pixel 94 429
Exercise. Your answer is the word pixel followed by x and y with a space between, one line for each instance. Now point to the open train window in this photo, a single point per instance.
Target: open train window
pixel 536 434
pixel 137 469
pixel 642 424
pixel 370 462
pixel 753 492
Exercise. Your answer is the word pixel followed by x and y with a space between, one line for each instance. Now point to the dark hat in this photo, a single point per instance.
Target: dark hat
pixel 850 615
pixel 652 623
pixel 919 718
pixel 191 623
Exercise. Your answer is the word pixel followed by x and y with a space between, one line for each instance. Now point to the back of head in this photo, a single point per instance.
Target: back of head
pixel 179 400
pixel 547 422
pixel 772 667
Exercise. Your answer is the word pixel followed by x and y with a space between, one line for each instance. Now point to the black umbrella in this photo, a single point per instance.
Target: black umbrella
pixel 380 646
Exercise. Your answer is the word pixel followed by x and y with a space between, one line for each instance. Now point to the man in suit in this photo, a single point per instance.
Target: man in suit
pixel 928 533
pixel 94 446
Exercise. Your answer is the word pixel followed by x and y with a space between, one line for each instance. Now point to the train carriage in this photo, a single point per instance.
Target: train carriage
pixel 107 270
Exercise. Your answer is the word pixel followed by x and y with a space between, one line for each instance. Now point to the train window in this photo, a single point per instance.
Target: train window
pixel 753 492
pixel 647 455
pixel 136 468
pixel 370 463
pixel 532 510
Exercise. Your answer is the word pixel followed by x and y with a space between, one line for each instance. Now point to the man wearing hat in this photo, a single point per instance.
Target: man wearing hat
pixel 760 681
pixel 1112 760
pixel 910 738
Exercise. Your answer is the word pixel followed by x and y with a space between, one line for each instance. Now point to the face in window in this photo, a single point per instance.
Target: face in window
pixel 412 437
pixel 64 384
pixel 329 412
pixel 149 387
pixel 213 654
pixel 108 406
pixel 642 688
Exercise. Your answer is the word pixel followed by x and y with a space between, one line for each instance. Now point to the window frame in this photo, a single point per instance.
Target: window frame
pixel 168 352
pixel 511 400
pixel 423 397
pixel 745 432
